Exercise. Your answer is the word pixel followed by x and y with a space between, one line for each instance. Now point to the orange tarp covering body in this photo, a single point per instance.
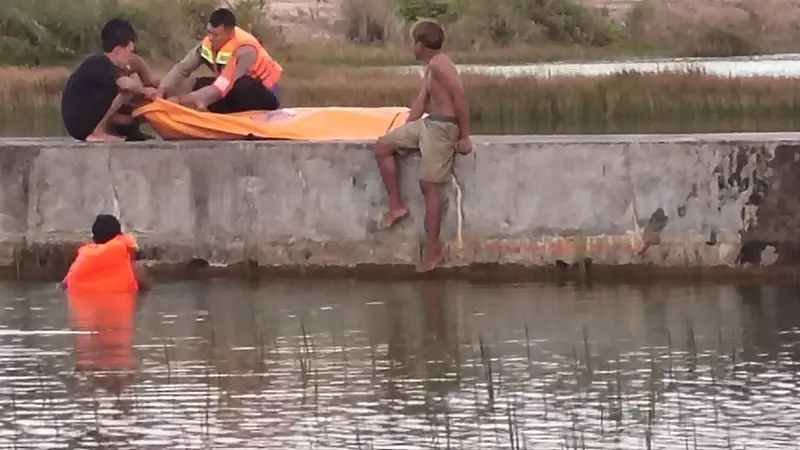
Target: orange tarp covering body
pixel 175 122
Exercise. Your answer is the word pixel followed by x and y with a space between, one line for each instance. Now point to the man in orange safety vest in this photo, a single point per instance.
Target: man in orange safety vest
pixel 246 77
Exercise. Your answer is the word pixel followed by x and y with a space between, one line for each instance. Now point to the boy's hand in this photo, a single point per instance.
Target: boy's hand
pixel 464 145
pixel 183 100
pixel 150 93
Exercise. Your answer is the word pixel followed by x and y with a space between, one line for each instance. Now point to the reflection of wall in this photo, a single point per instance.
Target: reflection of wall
pixel 350 324
pixel 390 353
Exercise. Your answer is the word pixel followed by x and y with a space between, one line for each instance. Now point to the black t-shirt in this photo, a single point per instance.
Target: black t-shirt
pixel 88 94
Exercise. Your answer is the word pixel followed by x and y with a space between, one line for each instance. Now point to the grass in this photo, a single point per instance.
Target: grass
pixel 503 105
pixel 375 32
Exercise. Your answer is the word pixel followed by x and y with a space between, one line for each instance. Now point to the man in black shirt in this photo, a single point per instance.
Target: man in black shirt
pixel 97 99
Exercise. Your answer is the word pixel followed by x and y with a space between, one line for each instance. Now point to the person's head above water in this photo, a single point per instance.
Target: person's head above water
pixel 105 228
pixel 220 28
pixel 428 37
pixel 119 39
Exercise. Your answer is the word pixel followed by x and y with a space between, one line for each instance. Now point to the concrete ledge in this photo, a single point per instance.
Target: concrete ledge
pixel 693 204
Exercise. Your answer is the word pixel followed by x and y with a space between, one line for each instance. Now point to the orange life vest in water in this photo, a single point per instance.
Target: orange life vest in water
pixel 104 268
pixel 265 69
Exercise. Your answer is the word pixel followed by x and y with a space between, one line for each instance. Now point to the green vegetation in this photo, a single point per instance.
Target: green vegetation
pixel 51 34
pixel 628 102
pixel 46 32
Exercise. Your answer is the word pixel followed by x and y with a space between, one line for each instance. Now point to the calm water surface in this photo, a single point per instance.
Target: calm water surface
pixel 339 365
pixel 779 65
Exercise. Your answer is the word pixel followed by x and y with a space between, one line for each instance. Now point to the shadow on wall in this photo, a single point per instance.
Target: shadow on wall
pixel 776 222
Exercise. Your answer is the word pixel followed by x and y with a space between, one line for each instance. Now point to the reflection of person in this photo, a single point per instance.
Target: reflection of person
pixel 97 101
pixel 102 285
pixel 107 264
pixel 104 349
pixel 445 131
pixel 246 75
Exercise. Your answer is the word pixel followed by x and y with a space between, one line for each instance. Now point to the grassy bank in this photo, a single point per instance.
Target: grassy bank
pixel 374 32
pixel 502 105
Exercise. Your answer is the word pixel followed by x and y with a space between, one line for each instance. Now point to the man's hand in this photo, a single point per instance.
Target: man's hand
pixel 464 145
pixel 150 93
pixel 183 100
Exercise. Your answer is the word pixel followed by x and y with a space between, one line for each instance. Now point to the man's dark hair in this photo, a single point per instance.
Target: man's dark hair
pixel 105 228
pixel 429 33
pixel 222 17
pixel 117 33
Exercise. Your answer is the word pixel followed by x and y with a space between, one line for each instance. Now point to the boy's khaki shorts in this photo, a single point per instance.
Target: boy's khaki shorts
pixel 435 139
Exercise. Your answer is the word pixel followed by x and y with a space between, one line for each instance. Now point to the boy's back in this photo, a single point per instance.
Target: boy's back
pixel 88 94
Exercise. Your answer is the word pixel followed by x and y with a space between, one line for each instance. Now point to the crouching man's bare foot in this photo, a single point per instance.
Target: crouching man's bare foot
pixel 103 136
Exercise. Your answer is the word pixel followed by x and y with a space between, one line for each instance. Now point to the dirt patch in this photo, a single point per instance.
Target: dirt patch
pixel 308 20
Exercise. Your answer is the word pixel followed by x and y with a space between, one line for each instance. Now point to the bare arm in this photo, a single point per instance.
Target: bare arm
pixel 141 276
pixel 130 85
pixel 446 74
pixel 140 67
pixel 238 66
pixel 116 104
pixel 181 70
pixel 418 107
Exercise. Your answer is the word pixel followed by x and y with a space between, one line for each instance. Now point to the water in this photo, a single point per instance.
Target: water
pixel 779 65
pixel 366 365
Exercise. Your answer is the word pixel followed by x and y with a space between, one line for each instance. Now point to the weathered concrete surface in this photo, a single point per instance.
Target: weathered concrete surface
pixel 668 201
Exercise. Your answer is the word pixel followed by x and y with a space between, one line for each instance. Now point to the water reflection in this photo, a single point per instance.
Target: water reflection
pixel 104 340
pixel 407 365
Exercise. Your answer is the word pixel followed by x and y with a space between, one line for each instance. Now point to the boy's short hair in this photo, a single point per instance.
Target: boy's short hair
pixel 429 33
pixel 117 33
pixel 105 228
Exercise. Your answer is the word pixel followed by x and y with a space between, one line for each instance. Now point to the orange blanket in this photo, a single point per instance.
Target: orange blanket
pixel 175 122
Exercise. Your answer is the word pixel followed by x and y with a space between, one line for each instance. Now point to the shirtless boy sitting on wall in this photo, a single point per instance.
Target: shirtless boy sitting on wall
pixel 439 136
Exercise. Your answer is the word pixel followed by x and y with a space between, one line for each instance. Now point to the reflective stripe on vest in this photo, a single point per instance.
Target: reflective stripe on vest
pixel 265 69
pixel 207 54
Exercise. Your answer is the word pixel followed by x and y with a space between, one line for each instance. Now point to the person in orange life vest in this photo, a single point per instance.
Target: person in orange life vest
pixel 107 265
pixel 246 77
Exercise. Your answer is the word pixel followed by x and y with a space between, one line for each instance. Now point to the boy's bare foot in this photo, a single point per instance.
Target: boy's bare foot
pixel 102 136
pixel 392 217
pixel 432 261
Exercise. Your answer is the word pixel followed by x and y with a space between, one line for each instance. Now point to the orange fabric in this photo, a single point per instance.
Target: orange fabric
pixel 224 82
pixel 104 268
pixel 175 122
pixel 109 319
pixel 265 67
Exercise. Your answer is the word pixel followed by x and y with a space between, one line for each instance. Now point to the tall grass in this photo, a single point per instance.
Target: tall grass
pixel 504 104
pixel 50 32
pixel 46 32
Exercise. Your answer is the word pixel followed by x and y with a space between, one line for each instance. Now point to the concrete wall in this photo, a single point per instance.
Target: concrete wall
pixel 683 200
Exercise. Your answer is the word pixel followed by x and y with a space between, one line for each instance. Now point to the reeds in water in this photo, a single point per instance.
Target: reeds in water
pixel 503 104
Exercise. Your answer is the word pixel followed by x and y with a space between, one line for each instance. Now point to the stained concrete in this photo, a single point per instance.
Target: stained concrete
pixel 688 201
